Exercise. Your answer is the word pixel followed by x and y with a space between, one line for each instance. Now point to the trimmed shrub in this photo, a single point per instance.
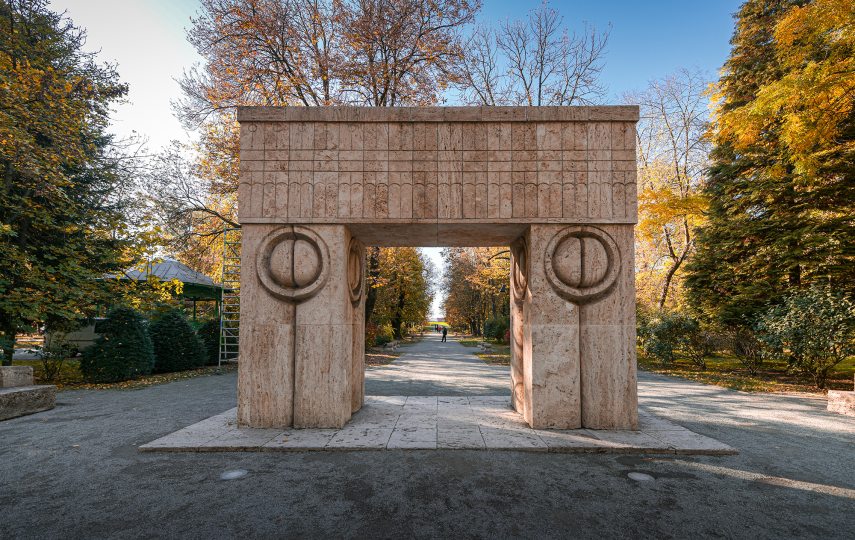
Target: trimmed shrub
pixel 176 345
pixel 209 333
pixel 495 328
pixel 122 351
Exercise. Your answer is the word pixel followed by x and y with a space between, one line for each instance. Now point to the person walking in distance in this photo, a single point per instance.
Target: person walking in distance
pixel 444 332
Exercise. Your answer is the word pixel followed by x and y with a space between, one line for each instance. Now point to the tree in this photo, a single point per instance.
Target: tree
pixel 476 286
pixel 533 62
pixel 781 215
pixel 176 346
pixel 122 351
pixel 403 286
pixel 63 192
pixel 293 52
pixel 322 52
pixel 672 161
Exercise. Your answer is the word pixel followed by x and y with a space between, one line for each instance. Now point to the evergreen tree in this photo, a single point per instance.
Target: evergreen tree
pixel 774 225
pixel 176 345
pixel 59 196
pixel 123 351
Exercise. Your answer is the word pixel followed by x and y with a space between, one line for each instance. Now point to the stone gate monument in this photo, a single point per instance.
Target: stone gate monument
pixel 556 184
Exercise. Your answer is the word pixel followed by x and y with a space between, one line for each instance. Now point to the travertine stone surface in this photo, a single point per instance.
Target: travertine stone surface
pixel 577 327
pixel 432 165
pixel 298 342
pixel 558 184
pixel 437 422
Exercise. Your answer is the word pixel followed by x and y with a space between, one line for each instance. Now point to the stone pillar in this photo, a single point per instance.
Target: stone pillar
pixel 577 326
pixel 301 289
pixel 519 291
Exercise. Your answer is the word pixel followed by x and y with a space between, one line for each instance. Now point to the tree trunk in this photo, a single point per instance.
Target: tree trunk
pixel 8 341
pixel 667 284
pixel 398 319
pixel 373 273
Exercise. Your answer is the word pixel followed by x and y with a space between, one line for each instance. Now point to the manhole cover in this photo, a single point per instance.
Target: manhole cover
pixel 233 475
pixel 640 477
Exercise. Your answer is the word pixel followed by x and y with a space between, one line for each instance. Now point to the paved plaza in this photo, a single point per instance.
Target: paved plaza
pixel 444 422
pixel 76 471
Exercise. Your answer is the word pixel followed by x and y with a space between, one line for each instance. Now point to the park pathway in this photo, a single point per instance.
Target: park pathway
pixel 433 368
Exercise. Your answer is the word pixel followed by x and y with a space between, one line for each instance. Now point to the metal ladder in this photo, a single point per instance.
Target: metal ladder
pixel 230 305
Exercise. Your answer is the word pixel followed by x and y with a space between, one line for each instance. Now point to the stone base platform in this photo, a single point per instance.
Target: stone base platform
pixel 841 402
pixel 22 400
pixel 437 423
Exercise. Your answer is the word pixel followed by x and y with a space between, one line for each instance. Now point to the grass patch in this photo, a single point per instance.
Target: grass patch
pixel 500 355
pixel 70 378
pixel 726 371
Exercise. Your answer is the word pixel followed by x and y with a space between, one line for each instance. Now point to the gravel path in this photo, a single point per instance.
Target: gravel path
pixel 75 472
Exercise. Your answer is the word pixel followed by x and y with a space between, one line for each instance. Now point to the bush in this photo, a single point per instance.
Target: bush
pixel 122 351
pixel 496 327
pixel 815 328
pixel 176 345
pixel 209 333
pixel 667 333
pixel 378 335
pixel 53 356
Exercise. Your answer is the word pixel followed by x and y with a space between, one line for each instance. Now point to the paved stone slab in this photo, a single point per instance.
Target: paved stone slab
pixel 438 423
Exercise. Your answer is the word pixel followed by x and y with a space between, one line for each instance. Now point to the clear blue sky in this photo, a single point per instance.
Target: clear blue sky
pixel 649 38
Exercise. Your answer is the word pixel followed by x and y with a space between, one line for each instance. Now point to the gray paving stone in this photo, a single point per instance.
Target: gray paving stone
pixel 358 437
pixel 631 442
pixel 689 442
pixel 301 439
pixel 458 435
pixel 512 439
pixel 573 440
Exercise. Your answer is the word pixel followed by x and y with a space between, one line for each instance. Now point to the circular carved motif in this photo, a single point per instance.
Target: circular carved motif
pixel 355 271
pixel 519 269
pixel 582 263
pixel 293 263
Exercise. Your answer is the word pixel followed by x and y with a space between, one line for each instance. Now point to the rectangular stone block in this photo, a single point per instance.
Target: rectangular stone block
pixel 841 402
pixel 11 376
pixel 23 400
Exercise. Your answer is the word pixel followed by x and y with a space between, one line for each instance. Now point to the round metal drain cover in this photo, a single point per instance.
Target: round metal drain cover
pixel 640 477
pixel 233 475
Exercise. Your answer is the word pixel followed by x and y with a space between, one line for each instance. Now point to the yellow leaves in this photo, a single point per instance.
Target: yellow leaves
pixel 815 44
pixel 661 207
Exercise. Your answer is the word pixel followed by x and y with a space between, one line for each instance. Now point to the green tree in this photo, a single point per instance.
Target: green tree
pixel 777 220
pixel 123 350
pixel 61 219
